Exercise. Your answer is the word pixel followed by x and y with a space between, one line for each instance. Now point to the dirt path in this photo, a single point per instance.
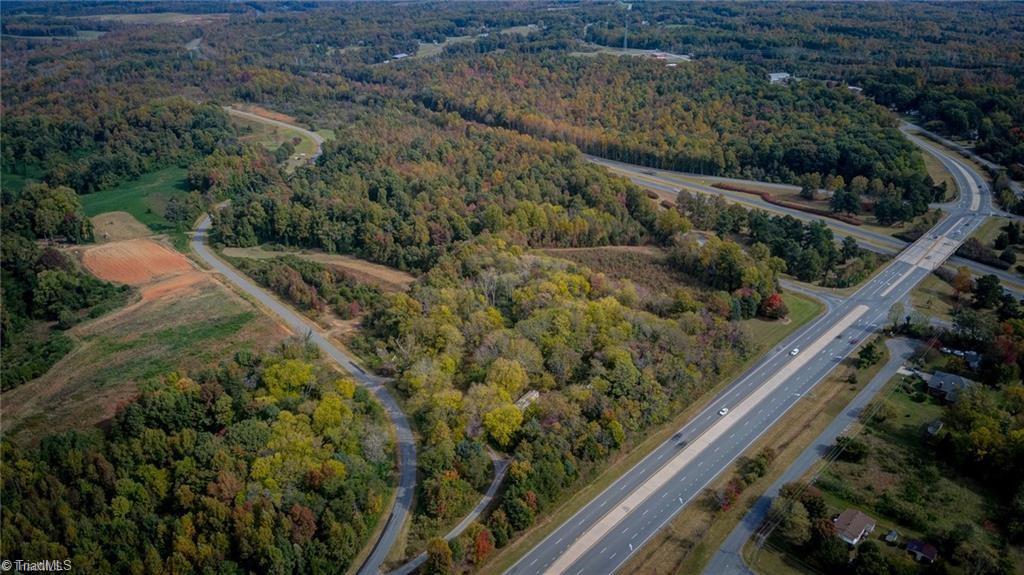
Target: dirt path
pixel 384 277
pixel 279 120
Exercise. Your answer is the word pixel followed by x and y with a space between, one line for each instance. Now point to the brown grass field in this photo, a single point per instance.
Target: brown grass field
pixel 265 113
pixel 116 226
pixel 157 18
pixel 384 277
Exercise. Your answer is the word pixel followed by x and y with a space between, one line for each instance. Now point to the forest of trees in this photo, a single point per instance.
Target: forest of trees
pixel 707 117
pixel 400 188
pixel 311 286
pixel 899 55
pixel 265 464
pixel 489 323
pixel 808 251
pixel 457 167
pixel 44 291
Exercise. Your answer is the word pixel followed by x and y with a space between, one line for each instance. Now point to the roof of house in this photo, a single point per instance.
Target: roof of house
pixel 851 523
pixel 948 383
pixel 924 549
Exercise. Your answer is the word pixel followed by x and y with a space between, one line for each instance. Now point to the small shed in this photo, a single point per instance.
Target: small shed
pixel 892 537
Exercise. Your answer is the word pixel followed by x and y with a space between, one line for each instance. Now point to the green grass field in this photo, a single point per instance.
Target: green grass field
pixel 934 297
pixel 988 231
pixel 802 309
pixel 902 463
pixel 145 198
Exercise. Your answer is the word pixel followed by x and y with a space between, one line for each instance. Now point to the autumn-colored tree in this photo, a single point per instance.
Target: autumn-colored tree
pixel 502 423
pixel 962 282
pixel 439 558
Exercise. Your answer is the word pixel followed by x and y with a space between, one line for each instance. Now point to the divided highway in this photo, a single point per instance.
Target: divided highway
pixel 667 181
pixel 300 325
pixel 602 536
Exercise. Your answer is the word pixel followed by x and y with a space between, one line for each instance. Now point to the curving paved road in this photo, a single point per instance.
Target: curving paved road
pixel 602 536
pixel 300 325
pixel 500 468
pixel 728 560
pixel 317 138
pixel 671 182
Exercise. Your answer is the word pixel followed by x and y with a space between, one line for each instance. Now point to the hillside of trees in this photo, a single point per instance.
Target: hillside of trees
pixel 708 117
pixel 456 167
pixel 489 323
pixel 900 54
pixel 310 286
pixel 44 290
pixel 266 464
pixel 400 188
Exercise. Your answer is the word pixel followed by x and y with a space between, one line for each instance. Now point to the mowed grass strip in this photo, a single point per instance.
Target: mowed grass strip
pixel 144 198
pixel 691 539
pixel 934 297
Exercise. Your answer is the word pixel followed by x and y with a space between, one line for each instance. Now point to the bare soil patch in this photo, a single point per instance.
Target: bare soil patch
pixel 134 262
pixel 175 285
pixel 265 113
pixel 118 226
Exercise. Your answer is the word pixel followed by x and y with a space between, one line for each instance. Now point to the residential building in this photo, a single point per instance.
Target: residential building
pixel 947 386
pixel 922 551
pixel 852 526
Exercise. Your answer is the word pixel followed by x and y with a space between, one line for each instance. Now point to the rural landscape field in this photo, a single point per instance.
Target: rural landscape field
pixel 531 288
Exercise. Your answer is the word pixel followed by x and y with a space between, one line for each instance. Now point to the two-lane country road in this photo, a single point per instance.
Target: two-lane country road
pixel 611 527
pixel 406 446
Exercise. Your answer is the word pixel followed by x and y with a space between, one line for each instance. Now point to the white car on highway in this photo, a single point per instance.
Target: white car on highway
pixel 794 351
pixel 723 411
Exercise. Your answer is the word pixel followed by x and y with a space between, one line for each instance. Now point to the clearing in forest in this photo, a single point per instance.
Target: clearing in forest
pixel 145 198
pixel 156 18
pixel 383 277
pixel 183 320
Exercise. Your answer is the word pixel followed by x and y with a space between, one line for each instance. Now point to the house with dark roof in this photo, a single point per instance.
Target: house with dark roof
pixel 922 551
pixel 852 526
pixel 947 386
